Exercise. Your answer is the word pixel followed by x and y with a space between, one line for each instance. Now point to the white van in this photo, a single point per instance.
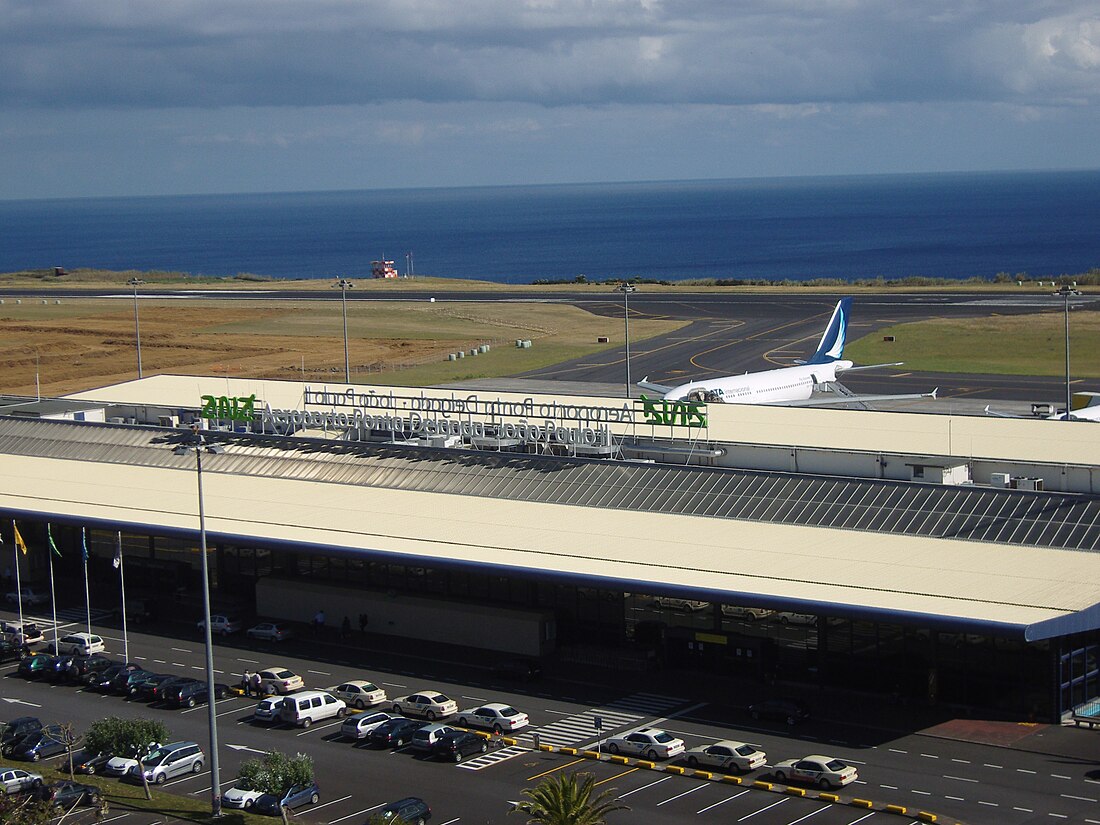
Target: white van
pixel 308 706
pixel 81 644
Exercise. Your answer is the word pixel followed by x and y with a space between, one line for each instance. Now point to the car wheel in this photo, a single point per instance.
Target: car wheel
pixel 458 756
pixel 825 784
pixel 462 723
pixel 197 767
pixel 360 704
pixel 498 730
pixel 784 620
pixel 613 748
pixel 160 779
pixel 341 713
pixel 484 747
pixel 191 701
pixel 397 708
pixel 93 798
pixel 35 757
pixel 315 798
pixel 247 804
pixel 36 783
pixel 693 762
pixel 430 715
pixel 90 770
pixel 780 776
pixel 652 756
pixel 75 651
pixel 307 722
pixel 748 617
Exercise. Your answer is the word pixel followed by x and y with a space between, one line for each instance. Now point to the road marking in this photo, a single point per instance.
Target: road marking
pixel 185 778
pixel 990 804
pixel 962 761
pixel 250 661
pixel 476 698
pixel 811 813
pixel 854 821
pixel 650 785
pixel 616 776
pixel 766 808
pixel 321 727
pixel 955 798
pixel 960 778
pixel 552 770
pixel 1058 776
pixel 319 672
pixel 1024 810
pixel 929 756
pixel 1024 770
pixel 123 816
pixel 724 801
pixel 895 750
pixel 181 649
pixel 333 802
pixel 159 661
pixel 1079 798
pixel 357 813
pixel 392 684
pixel 889 787
pixel 923 793
pixel 1059 816
pixel 993 766
pixel 451 821
pixel 698 787
pixel 180 664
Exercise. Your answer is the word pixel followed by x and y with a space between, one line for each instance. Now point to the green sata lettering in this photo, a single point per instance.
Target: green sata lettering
pixel 674 413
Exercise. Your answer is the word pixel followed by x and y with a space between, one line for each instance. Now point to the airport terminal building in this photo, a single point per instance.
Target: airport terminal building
pixel 950 559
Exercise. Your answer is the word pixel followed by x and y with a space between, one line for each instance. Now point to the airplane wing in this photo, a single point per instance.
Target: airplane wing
pixel 819 400
pixel 661 388
pixel 872 367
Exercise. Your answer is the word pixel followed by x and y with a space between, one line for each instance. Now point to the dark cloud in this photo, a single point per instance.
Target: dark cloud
pixel 198 53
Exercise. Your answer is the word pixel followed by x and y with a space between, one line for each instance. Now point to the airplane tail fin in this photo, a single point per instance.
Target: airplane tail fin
pixel 831 347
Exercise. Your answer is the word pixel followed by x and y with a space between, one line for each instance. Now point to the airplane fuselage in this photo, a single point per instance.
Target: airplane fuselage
pixel 769 387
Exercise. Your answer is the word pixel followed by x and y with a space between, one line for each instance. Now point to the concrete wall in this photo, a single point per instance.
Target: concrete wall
pixel 505 630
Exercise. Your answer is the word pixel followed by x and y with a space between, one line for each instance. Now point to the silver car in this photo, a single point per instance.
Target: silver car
pixel 360 726
pixel 16 780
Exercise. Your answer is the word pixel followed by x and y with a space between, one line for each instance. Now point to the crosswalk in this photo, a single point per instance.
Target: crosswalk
pixel 580 729
pixel 67 615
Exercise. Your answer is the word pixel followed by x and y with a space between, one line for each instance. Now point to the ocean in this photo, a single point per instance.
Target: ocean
pixel 893 226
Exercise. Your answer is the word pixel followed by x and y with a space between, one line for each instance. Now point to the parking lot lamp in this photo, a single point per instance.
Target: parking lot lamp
pixel 197 444
pixel 626 289
pixel 344 285
pixel 1065 292
pixel 135 283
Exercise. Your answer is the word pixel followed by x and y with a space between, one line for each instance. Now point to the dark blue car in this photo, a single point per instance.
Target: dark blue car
pixel 49 741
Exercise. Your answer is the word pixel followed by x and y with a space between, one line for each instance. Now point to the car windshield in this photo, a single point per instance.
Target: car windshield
pixel 835 765
pixel 285 674
pixel 662 737
pixel 153 758
pixel 509 711
pixel 439 698
pixel 746 750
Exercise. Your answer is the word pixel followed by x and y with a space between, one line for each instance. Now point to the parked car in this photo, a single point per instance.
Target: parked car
pixel 652 743
pixel 59 670
pixel 411 809
pixel 160 692
pixel 360 693
pixel 267 710
pixel 192 693
pixel 430 704
pixel 122 682
pixel 101 680
pixel 823 771
pixel 749 614
pixel 142 689
pixel 359 726
pixel 787 617
pixel 11 651
pixel 17 780
pixel 425 738
pixel 495 716
pixel 221 625
pixel 296 797
pixel 243 796
pixel 11 732
pixel 728 755
pixel 88 763
pixel 34 667
pixel 783 710
pixel 28 595
pixel 17 633
pixel 80 666
pixel 683 605
pixel 458 744
pixel 49 741
pixel 277 679
pixel 65 794
pixel 82 643
pixel 394 733
pixel 122 765
pixel 269 632
pixel 169 761
pixel 309 706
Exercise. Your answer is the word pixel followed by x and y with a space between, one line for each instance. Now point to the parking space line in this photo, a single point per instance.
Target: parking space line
pixel 333 802
pixel 811 813
pixel 722 801
pixel 113 818
pixel 616 776
pixel 552 770
pixel 311 728
pixel 357 813
pixel 185 778
pixel 650 785
pixel 865 816
pixel 451 821
pixel 698 787
pixel 765 808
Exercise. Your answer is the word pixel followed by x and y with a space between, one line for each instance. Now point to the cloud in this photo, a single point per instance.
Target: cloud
pixel 257 53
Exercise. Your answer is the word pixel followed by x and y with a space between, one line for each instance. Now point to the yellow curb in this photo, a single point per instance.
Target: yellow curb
pixel 591 754
pixel 547 748
pixel 674 769
pixel 703 774
pixel 896 809
pixel 647 765
pixel 570 751
pixel 762 785
pixel 733 780
pixel 508 740
pixel 861 803
pixel 795 791
pixel 828 797
pixel 619 760
pixel 924 816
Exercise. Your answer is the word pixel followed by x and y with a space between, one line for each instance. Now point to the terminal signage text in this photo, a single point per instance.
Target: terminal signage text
pixel 674 413
pixel 226 408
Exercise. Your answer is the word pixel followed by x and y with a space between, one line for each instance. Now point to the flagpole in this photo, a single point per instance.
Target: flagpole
pixel 87 597
pixel 122 585
pixel 53 606
pixel 18 585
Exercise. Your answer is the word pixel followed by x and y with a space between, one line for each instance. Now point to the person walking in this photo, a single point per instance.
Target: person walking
pixel 254 681
pixel 246 682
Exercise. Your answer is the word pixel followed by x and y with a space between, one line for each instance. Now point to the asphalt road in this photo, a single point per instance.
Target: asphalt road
pixel 729 334
pixel 958 780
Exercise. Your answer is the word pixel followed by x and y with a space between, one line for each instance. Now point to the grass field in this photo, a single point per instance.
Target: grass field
pixel 1007 345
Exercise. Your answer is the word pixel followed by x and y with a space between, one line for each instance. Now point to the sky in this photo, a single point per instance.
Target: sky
pixel 121 97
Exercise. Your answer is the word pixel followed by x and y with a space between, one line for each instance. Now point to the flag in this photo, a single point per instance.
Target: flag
pixel 117 560
pixel 84 544
pixel 22 545
pixel 49 536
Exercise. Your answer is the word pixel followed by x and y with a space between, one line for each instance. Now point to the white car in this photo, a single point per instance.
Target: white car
pixel 360 693
pixel 749 614
pixel 81 644
pixel 652 743
pixel 221 624
pixel 242 796
pixel 787 617
pixel 277 679
pixel 268 709
pixel 28 596
pixel 495 716
pixel 728 755
pixel 121 765
pixel 16 780
pixel 684 605
pixel 431 704
pixel 824 771
pixel 360 726
pixel 269 632
pixel 27 632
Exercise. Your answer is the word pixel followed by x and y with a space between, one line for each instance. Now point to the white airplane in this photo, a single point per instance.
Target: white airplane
pixel 1085 406
pixel 788 386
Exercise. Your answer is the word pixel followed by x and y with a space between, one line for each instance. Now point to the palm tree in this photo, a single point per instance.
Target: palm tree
pixel 567 800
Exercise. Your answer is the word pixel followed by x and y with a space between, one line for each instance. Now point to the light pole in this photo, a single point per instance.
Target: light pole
pixel 344 285
pixel 626 289
pixel 135 283
pixel 197 444
pixel 1065 292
